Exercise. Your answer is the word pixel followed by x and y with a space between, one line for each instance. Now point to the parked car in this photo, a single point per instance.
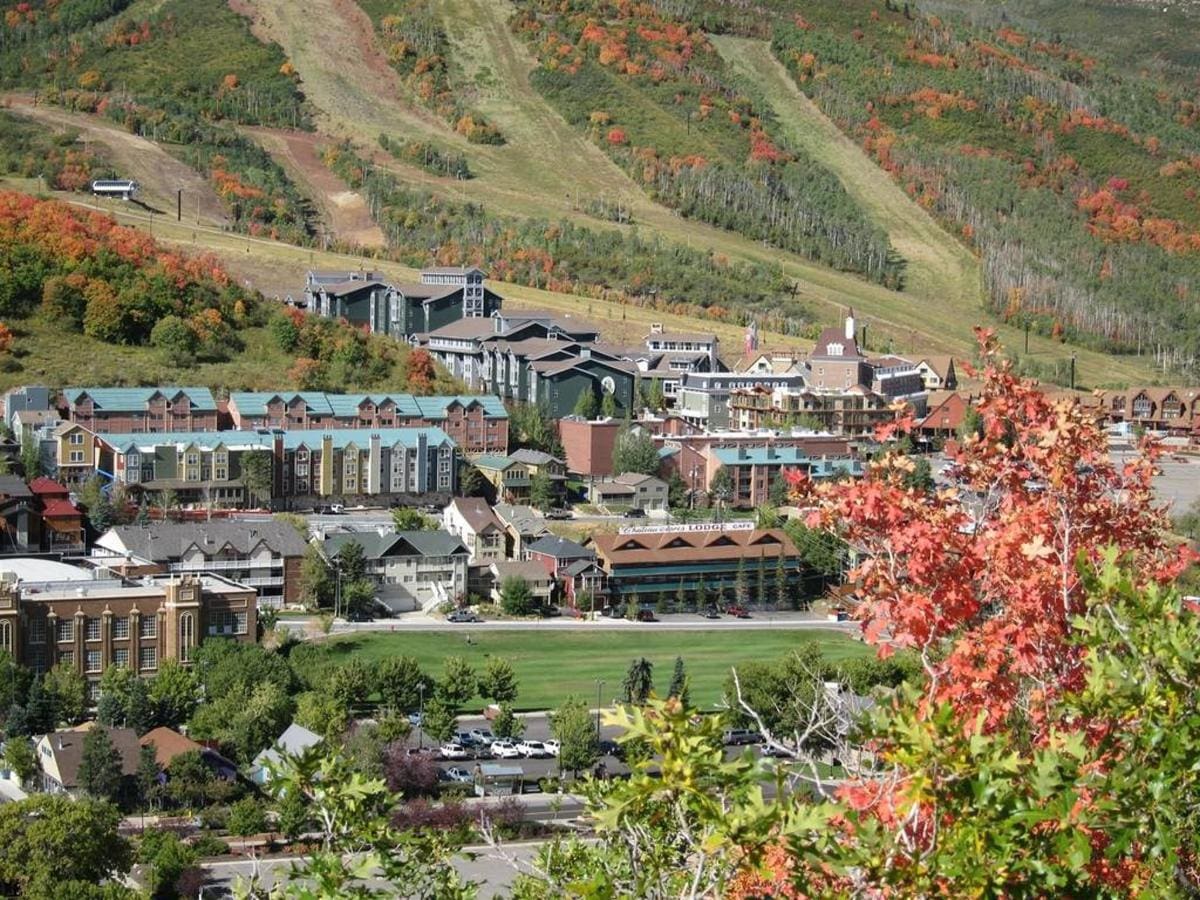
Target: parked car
pixel 337 509
pixel 646 615
pixel 463 615
pixel 610 748
pixel 557 513
pixel 533 750
pixel 505 750
pixel 465 738
pixel 711 612
pixel 453 750
pixel 414 719
pixel 420 751
pixel 738 612
pixel 551 612
pixel 552 747
pixel 462 776
pixel 635 512
pixel 776 752
pixel 739 737
pixel 482 737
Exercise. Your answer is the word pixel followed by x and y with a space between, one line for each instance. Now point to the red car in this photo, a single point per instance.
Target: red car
pixel 738 612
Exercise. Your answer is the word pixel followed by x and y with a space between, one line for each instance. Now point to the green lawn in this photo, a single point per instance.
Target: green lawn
pixel 552 665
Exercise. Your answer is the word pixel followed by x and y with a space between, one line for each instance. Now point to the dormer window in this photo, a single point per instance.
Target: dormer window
pixel 834 349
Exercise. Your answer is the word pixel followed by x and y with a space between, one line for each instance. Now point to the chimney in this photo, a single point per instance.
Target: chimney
pixel 850 329
pixel 656 328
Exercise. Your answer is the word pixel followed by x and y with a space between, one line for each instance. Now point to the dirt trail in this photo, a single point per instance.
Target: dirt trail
pixel 158 173
pixel 344 211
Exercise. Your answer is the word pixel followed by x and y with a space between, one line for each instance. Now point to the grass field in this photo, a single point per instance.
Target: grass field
pixel 552 666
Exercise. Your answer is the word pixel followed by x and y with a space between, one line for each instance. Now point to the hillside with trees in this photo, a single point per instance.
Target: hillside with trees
pixel 182 73
pixel 74 281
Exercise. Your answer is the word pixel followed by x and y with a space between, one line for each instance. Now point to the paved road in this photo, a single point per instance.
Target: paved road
pixel 494 871
pixel 673 622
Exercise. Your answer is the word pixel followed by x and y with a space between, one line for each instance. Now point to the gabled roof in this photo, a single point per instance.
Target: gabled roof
pixel 476 513
pixel 168 744
pixel 463 329
pixel 835 336
pixel 521 518
pixel 577 568
pixel 494 463
pixel 402 543
pixel 528 569
pixel 635 478
pixel 532 457
pixel 14 486
pixel 559 548
pixel 164 541
pixel 294 739
pixel 939 365
pixel 43 486
pixel 343 288
pixel 135 399
pixel 57 508
pixel 665 548
pixel 67 749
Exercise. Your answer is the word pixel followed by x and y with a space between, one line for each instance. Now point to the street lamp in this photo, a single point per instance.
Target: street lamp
pixel 599 689
pixel 421 718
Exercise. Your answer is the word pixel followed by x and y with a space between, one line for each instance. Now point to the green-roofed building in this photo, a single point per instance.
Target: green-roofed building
pixel 343 465
pixel 142 409
pixel 478 423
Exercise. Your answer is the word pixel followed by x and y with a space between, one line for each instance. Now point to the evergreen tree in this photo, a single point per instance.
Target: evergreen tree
pixel 41 715
pixel 16 724
pixel 635 451
pixel 100 765
pixel 782 597
pixel 498 682
pixel 679 683
pixel 148 774
pixel 585 406
pixel 741 587
pixel 608 406
pixel 139 710
pixel 541 490
pixel 639 681
pixel 760 590
pixel 680 597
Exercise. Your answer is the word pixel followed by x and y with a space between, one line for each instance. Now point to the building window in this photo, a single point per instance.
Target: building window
pixel 220 473
pixel 240 622
pixel 148 658
pixel 187 636
pixel 121 628
pixel 149 627
pixel 6 636
pixel 37 659
pixel 76 438
pixel 1142 407
pixel 93 692
pixel 93 661
pixel 121 657
pixel 66 631
pixel 76 456
pixel 93 629
pixel 37 631
pixel 66 659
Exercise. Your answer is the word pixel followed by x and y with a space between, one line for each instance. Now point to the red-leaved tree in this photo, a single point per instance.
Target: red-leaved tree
pixel 982 578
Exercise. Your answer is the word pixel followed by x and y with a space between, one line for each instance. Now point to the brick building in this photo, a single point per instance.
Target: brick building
pixel 477 423
pixel 588 446
pixel 138 410
pixel 90 624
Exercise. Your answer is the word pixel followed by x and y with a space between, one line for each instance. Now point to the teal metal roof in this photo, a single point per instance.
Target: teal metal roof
pixel 361 437
pixel 343 405
pixel 817 467
pixel 496 463
pixel 134 399
pixel 208 440
pixel 341 437
pixel 256 401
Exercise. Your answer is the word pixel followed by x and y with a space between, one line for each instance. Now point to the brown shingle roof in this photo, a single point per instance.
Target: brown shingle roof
pixel 67 747
pixel 168 744
pixel 477 514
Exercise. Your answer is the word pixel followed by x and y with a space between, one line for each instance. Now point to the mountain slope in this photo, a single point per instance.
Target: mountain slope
pixel 939 268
